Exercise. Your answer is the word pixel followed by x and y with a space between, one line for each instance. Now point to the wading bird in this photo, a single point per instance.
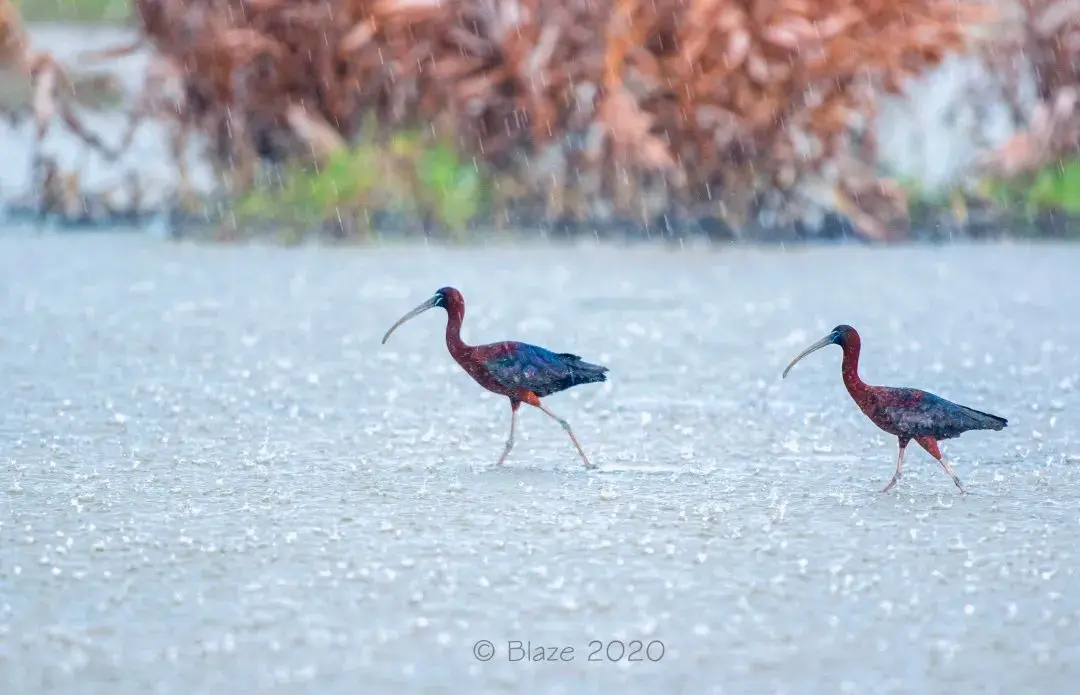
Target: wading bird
pixel 523 373
pixel 906 413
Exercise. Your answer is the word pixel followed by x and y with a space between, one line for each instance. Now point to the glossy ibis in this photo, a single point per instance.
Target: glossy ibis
pixel 523 373
pixel 904 412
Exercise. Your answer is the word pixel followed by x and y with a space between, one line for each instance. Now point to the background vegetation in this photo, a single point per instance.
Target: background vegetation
pixel 445 116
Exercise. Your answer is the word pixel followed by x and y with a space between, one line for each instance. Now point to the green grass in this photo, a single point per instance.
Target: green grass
pixel 418 178
pixel 1024 202
pixel 74 10
pixel 1055 188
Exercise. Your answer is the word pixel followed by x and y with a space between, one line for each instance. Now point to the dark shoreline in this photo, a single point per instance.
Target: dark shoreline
pixel 177 224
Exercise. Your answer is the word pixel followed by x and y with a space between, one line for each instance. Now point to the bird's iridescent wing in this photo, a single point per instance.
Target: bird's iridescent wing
pixel 524 366
pixel 921 413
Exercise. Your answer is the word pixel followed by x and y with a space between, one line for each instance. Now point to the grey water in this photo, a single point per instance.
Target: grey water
pixel 213 476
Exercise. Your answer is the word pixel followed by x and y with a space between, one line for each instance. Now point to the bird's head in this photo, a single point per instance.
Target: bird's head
pixel 446 297
pixel 843 335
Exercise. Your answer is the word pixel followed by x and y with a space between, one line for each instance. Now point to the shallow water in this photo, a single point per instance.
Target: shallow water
pixel 211 473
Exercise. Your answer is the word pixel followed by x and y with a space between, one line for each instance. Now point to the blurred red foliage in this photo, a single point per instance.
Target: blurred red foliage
pixel 683 102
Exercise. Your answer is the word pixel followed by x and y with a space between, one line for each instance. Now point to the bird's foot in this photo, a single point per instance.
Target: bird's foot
pixel 956 480
pixel 506 452
pixel 892 482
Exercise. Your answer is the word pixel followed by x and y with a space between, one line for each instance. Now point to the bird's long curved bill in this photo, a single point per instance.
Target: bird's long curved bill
pixel 429 304
pixel 824 342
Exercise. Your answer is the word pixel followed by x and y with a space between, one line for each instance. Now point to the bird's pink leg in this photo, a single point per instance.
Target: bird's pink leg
pixel 534 401
pixel 931 446
pixel 899 465
pixel 514 405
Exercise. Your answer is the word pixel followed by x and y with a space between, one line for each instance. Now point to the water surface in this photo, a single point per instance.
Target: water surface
pixel 212 473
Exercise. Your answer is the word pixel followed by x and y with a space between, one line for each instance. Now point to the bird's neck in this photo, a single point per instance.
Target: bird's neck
pixel 454 317
pixel 849 368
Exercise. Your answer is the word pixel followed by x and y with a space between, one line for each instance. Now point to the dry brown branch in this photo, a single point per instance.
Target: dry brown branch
pixel 52 89
pixel 112 53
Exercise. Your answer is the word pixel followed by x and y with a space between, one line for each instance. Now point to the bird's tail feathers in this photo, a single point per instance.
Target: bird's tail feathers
pixel 585 372
pixel 985 421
